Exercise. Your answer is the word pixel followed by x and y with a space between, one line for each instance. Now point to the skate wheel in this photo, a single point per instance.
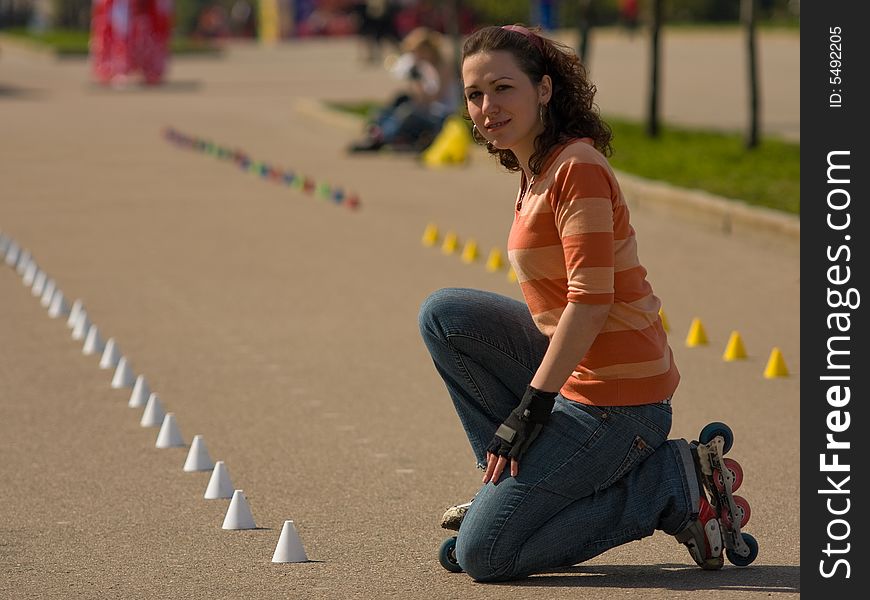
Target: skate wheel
pixel 711 430
pixel 742 561
pixel 743 511
pixel 736 471
pixel 447 555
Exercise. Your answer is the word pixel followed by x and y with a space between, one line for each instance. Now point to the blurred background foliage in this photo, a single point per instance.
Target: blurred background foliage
pixel 75 14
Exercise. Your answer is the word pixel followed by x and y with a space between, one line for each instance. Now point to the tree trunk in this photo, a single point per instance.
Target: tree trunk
pixel 652 123
pixel 747 10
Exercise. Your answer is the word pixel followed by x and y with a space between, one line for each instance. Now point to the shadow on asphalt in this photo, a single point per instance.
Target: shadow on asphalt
pixel 758 578
pixel 8 91
pixel 169 87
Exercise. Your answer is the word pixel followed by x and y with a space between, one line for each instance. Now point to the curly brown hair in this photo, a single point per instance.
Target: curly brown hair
pixel 571 112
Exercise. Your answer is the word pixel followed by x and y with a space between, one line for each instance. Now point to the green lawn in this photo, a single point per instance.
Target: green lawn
pixel 69 42
pixel 715 162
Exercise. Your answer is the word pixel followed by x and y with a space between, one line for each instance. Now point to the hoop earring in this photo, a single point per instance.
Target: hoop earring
pixel 475 135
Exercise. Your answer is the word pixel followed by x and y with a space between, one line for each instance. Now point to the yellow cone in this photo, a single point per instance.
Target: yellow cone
pixel 451 243
pixel 494 262
pixel 775 365
pixel 735 349
pixel 512 275
pixel 450 146
pixel 469 252
pixel 430 235
pixel 665 325
pixel 697 336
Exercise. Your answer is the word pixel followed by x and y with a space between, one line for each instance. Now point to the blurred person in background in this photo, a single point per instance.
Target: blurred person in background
pixel 128 37
pixel 431 93
pixel 377 26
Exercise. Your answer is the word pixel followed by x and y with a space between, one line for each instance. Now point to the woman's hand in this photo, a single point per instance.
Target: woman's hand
pixel 495 466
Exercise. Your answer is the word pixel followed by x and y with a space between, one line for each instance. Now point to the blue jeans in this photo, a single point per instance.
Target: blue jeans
pixel 595 478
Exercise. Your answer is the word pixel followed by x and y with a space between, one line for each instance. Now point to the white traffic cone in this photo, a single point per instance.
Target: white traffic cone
pixel 58 306
pixel 39 283
pixel 83 324
pixel 169 436
pixel 24 259
pixel 93 342
pixel 153 414
pixel 30 273
pixel 111 355
pixel 141 392
pixel 198 458
pixel 74 313
pixel 48 293
pixel 289 548
pixel 239 513
pixel 13 251
pixel 123 375
pixel 219 486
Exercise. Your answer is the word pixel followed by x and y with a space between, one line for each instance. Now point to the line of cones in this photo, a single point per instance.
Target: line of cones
pixel 321 190
pixel 238 516
pixel 468 251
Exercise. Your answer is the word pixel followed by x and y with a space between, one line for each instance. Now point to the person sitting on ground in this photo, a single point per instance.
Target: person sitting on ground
pixel 414 117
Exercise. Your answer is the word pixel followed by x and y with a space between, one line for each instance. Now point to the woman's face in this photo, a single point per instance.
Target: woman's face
pixel 503 102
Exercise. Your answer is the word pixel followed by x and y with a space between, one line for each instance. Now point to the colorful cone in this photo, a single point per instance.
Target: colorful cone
pixel 665 324
pixel 123 376
pixel 469 252
pixel 239 513
pixel 111 355
pixel 494 261
pixel 289 548
pixel 430 235
pixel 219 486
pixel 169 435
pixel 697 336
pixel 451 243
pixel 141 393
pixel 775 365
pixel 735 349
pixel 153 414
pixel 198 458
pixel 450 146
pixel 93 342
pixel 58 306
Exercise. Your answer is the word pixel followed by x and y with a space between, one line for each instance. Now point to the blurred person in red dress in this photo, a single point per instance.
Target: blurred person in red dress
pixel 130 36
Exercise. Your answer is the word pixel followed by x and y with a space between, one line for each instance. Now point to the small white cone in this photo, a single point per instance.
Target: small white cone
pixel 58 306
pixel 30 273
pixel 93 342
pixel 141 392
pixel 198 458
pixel 169 436
pixel 289 548
pixel 39 283
pixel 48 293
pixel 74 313
pixel 123 375
pixel 4 244
pixel 24 259
pixel 13 251
pixel 239 513
pixel 219 486
pixel 153 414
pixel 111 355
pixel 83 324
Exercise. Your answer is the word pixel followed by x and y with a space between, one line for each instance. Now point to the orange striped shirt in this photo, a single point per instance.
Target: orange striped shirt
pixel 571 241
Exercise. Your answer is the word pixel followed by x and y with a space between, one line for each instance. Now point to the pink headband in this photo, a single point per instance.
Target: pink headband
pixel 534 39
